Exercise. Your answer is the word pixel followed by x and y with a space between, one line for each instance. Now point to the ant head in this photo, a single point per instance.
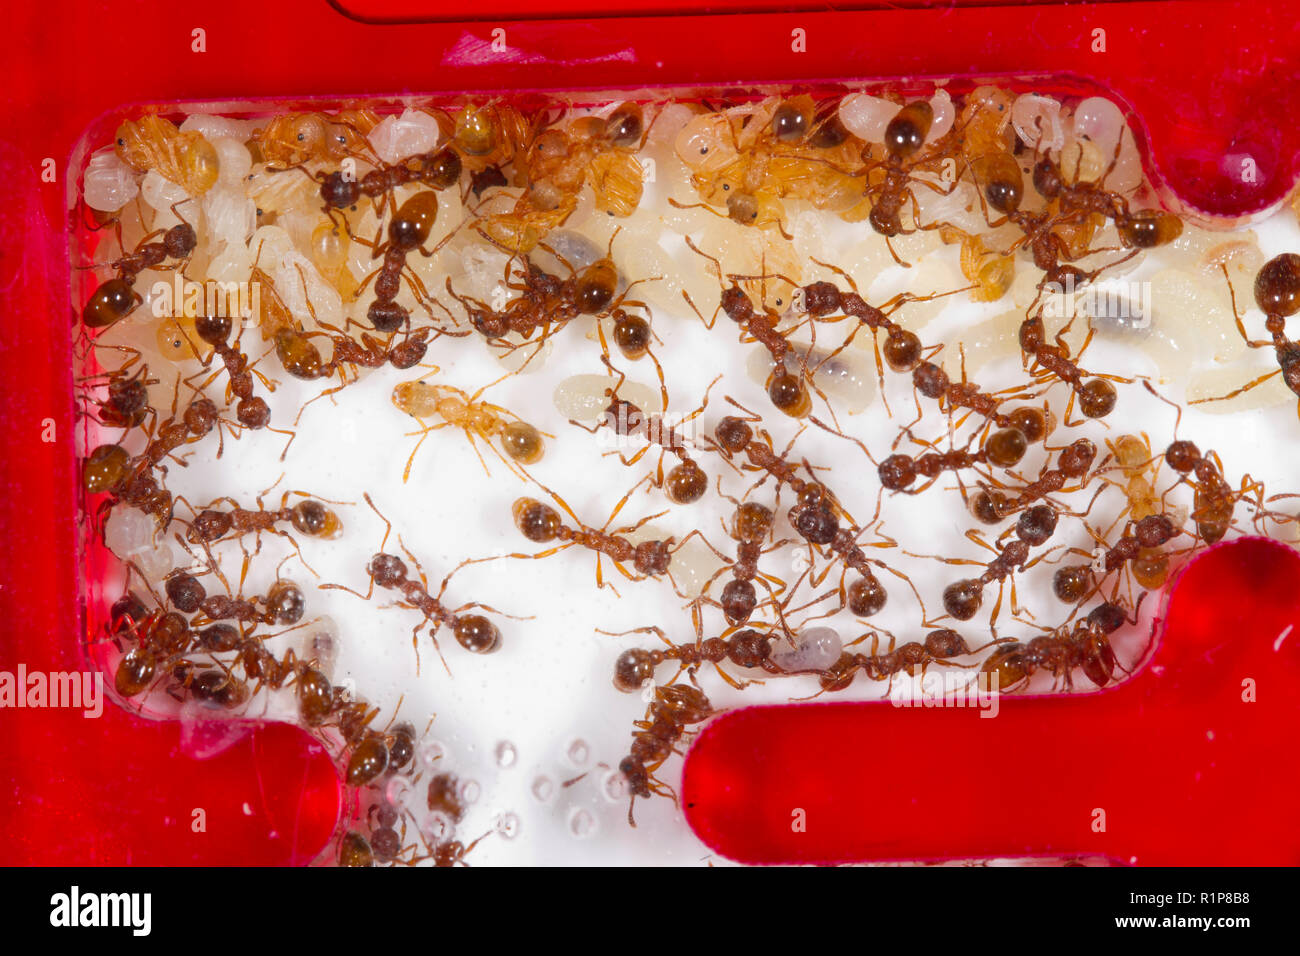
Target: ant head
pixel 734 434
pixel 388 570
pixel 1077 457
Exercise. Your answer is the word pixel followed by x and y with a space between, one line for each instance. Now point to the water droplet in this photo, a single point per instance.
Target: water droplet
pixel 435 827
pixel 581 823
pixel 398 791
pixel 470 791
pixel 614 786
pixel 430 754
pixel 543 788
pixel 507 825
pixel 577 752
pixel 506 754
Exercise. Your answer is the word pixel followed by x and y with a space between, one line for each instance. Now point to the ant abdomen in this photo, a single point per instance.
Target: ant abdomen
pixel 631 335
pixel 866 596
pixel 313 518
pixel 1149 228
pixel 739 598
pixel 906 132
pixel 135 671
pixel 106 468
pixel 477 634
pixel 595 287
pixel 369 760
pixel 538 522
pixel 686 483
pixel 522 442
pixel 414 221
pixel 789 394
pixel 962 599
pixel 112 301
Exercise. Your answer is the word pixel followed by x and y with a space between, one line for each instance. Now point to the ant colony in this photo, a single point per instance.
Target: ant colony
pixel 501 448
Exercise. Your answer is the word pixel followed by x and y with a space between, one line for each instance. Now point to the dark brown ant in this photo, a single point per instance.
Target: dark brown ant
pixel 474 632
pixel 751 526
pixel 788 392
pixel 824 302
pixel 302 359
pixel 407 232
pixel 129 480
pixel 962 599
pixel 734 436
pixel 674 708
pixel 540 523
pixel 547 302
pixel 904 138
pixel 284 603
pixel 126 404
pixel 940 647
pixel 308 516
pixel 1145 229
pixel 1086 646
pixel 115 299
pixel 1096 397
pixel 686 482
pixel 1277 293
pixel 161 639
pixel 1074 583
pixel 1214 500
pixel 816 516
pixel 339 190
pixel 744 648
pixel 1003 449
pixel 1072 464
pixel 251 411
pixel 933 382
pixel 1001 185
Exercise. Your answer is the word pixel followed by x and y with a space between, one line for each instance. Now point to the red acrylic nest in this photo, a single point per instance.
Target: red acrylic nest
pixel 1211 86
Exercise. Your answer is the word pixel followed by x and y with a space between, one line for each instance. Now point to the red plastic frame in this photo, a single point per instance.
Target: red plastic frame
pixel 1205 97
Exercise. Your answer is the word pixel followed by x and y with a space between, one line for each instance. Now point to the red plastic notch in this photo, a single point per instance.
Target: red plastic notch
pixel 1187 763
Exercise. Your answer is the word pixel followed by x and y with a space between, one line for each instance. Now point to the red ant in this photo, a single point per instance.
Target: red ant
pixel 744 648
pixel 309 517
pixel 1086 646
pixel 674 708
pixel 962 599
pixel 474 632
pixel 1215 500
pixel 788 391
pixel 1277 293
pixel 905 136
pixel 251 411
pixel 751 525
pixel 540 523
pixel 115 299
pixel 686 482
pixel 1072 584
pixel 126 404
pixel 547 303
pixel 940 647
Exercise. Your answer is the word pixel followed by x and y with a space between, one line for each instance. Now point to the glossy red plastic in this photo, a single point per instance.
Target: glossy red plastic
pixel 1188 763
pixel 1211 84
